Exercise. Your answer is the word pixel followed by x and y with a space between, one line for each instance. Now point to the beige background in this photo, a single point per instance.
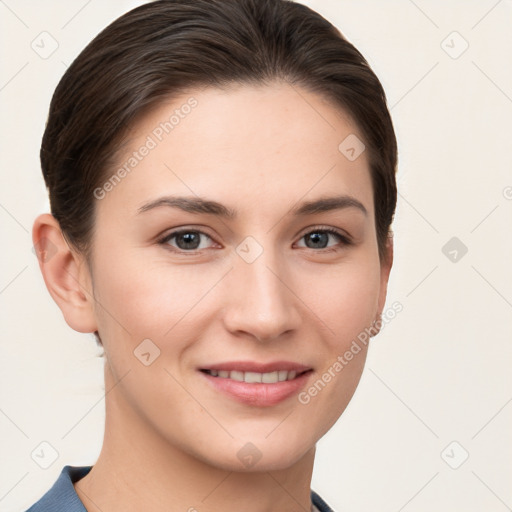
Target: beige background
pixel 439 372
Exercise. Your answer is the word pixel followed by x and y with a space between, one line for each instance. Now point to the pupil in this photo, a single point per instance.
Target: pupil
pixel 188 238
pixel 318 238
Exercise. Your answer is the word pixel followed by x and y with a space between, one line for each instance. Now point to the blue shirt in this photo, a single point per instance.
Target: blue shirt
pixel 62 496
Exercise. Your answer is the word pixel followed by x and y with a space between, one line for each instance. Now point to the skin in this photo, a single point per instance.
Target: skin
pixel 169 435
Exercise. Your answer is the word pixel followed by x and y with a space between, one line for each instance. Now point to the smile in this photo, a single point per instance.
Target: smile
pixel 257 384
pixel 256 377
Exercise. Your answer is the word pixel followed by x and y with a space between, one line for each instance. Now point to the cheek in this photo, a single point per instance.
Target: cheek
pixel 347 304
pixel 138 300
pixel 143 298
pixel 348 308
pixel 345 298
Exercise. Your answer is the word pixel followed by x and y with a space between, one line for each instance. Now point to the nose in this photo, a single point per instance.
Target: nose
pixel 261 300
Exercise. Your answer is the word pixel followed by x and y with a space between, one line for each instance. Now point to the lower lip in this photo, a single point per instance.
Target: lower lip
pixel 258 394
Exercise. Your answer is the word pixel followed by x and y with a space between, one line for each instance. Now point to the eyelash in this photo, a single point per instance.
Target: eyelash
pixel 345 240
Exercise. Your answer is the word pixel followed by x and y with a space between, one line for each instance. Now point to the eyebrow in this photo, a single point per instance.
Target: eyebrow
pixel 200 205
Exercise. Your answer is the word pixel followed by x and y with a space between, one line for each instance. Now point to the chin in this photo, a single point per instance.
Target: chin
pixel 258 455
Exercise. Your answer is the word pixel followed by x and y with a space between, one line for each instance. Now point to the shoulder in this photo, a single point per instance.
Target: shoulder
pixel 62 497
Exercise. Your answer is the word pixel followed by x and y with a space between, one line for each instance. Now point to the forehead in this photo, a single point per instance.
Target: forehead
pixel 261 147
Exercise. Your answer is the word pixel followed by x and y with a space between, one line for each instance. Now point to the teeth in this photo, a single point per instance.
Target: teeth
pixel 235 375
pixel 252 377
pixel 270 378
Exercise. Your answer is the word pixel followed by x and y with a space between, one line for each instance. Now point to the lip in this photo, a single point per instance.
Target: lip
pixel 251 366
pixel 258 394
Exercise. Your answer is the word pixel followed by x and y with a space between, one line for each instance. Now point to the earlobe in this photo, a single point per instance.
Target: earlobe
pixel 65 274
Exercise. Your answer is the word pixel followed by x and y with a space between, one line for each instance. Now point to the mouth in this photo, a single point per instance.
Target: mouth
pixel 256 377
pixel 257 384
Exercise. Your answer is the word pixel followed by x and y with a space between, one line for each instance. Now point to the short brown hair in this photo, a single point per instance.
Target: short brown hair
pixel 164 47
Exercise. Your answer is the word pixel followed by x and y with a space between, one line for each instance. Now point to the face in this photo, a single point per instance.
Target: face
pixel 227 296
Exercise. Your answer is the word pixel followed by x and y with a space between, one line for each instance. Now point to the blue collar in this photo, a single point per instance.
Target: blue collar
pixel 62 497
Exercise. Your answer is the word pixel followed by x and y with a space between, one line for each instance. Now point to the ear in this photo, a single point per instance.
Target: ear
pixel 65 273
pixel 385 269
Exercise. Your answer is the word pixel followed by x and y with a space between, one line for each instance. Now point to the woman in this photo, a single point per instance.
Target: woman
pixel 222 186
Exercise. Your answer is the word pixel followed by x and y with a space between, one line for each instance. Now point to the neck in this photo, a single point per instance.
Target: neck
pixel 138 469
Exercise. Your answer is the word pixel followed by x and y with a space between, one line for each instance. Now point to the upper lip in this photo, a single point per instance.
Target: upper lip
pixel 251 366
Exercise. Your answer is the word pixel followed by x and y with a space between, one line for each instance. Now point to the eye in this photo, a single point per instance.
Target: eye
pixel 186 240
pixel 318 238
pixel 191 240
